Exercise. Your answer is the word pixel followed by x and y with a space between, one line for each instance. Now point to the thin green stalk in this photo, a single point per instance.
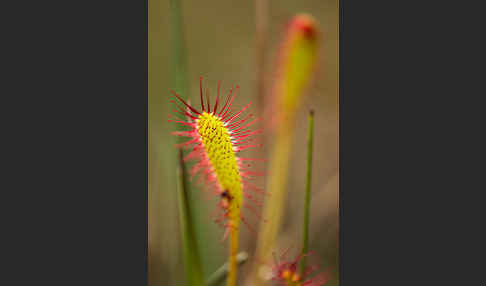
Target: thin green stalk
pixel 261 27
pixel 219 275
pixel 305 232
pixel 194 274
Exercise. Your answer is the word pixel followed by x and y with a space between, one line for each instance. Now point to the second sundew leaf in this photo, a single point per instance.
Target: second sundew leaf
pixel 301 63
pixel 296 65
pixel 217 137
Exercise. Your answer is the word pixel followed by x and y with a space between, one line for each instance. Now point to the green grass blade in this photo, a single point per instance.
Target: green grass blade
pixel 305 232
pixel 194 274
pixel 296 67
pixel 210 258
pixel 178 55
pixel 180 83
pixel 219 275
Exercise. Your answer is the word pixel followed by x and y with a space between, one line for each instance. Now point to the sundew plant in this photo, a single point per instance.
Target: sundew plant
pixel 242 193
pixel 216 137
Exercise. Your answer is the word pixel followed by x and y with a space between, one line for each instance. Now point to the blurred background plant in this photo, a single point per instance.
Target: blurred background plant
pixel 219 40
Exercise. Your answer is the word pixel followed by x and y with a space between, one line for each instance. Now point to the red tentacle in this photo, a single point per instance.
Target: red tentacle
pixel 247 125
pixel 182 122
pixel 201 93
pixel 231 102
pixel 182 111
pixel 238 113
pixel 217 98
pixel 185 103
pixel 227 99
pixel 237 123
pixel 207 98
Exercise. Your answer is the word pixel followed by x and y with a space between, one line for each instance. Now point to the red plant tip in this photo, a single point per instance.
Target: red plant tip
pixel 305 24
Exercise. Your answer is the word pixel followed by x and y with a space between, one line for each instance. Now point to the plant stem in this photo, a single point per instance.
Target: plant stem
pixel 233 249
pixel 307 192
pixel 261 24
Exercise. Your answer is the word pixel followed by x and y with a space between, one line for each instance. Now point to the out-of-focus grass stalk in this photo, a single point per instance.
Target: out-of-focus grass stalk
pixel 192 259
pixel 305 231
pixel 219 275
pixel 180 83
pixel 178 54
pixel 261 24
pixel 295 67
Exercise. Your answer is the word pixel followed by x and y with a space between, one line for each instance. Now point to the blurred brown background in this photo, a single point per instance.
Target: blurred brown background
pixel 220 43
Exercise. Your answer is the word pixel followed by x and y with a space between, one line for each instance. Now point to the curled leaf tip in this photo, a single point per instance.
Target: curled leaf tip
pixel 295 67
pixel 305 24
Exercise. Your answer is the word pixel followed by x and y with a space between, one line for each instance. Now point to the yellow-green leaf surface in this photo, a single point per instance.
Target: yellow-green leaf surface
pixel 296 66
pixel 218 148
